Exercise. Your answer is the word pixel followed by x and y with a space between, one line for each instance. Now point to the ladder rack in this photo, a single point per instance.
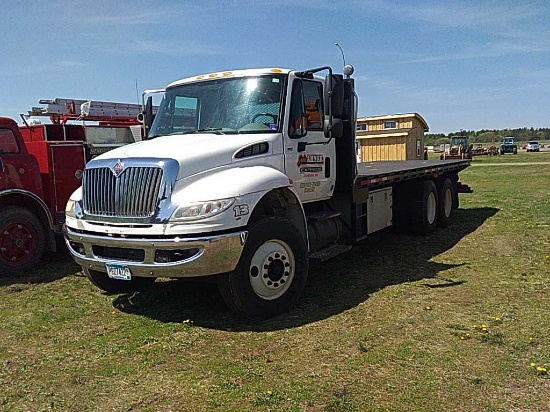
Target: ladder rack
pixel 61 110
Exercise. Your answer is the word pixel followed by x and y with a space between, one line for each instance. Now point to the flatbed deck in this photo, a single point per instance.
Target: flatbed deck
pixel 379 173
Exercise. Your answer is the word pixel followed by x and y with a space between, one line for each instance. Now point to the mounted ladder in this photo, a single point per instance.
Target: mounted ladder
pixel 107 113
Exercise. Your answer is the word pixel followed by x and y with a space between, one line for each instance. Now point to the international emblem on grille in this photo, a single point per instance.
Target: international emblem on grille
pixel 117 168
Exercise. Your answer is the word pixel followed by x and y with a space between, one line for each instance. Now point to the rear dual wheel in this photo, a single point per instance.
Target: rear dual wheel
pixel 433 206
pixel 445 202
pixel 424 209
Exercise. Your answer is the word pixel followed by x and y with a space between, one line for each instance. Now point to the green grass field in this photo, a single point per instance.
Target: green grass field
pixel 456 321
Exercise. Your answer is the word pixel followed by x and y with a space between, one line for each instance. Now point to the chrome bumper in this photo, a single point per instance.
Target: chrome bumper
pixel 201 256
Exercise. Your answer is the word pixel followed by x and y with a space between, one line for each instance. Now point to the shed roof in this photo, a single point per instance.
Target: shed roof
pixel 396 116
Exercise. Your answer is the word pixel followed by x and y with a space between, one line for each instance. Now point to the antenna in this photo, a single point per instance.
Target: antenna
pixel 137 92
pixel 341 51
pixel 348 68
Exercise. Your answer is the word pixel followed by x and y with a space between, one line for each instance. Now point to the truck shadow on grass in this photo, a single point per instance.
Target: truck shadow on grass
pixel 54 266
pixel 384 259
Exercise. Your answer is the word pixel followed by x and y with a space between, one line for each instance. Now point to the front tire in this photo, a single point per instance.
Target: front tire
pixel 115 286
pixel 22 240
pixel 271 273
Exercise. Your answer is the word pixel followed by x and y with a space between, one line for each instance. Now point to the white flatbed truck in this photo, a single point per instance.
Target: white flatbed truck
pixel 245 176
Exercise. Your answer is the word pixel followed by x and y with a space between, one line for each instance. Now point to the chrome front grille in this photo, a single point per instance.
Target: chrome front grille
pixel 134 193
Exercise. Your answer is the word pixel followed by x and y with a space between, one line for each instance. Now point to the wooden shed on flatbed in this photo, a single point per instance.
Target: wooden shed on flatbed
pixel 391 137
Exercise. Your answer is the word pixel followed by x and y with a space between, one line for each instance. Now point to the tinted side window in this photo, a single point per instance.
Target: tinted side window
pixel 313 98
pixel 297 122
pixel 8 142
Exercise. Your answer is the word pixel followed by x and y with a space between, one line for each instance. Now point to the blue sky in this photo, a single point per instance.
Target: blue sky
pixel 460 64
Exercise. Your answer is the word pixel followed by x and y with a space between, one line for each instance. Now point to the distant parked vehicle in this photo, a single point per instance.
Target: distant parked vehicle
pixel 533 146
pixel 508 146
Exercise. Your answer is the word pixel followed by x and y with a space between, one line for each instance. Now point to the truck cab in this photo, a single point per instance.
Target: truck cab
pixel 508 146
pixel 236 118
pixel 24 216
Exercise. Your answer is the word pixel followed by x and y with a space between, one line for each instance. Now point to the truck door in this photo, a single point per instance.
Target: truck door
pixel 67 162
pixel 310 166
pixel 18 169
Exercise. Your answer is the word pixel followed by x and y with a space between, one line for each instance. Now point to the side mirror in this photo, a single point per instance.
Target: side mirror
pixel 149 117
pixel 334 106
pixel 334 97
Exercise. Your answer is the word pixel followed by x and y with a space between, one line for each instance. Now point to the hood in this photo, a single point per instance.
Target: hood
pixel 195 153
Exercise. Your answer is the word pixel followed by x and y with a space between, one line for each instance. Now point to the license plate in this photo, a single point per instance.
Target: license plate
pixel 121 272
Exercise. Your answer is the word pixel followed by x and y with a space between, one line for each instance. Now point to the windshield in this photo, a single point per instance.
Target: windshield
pixel 225 106
pixel 508 141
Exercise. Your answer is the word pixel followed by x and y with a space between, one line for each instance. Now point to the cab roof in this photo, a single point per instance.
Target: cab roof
pixel 229 74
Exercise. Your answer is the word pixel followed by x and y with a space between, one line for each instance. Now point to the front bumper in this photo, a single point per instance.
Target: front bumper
pixel 160 257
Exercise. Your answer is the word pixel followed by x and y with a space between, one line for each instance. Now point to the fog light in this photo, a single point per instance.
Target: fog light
pixel 169 256
pixel 78 248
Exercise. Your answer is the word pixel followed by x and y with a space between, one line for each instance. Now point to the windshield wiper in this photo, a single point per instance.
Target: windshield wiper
pixel 216 130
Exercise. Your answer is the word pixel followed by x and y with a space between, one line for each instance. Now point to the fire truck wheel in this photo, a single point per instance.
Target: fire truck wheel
pixel 445 195
pixel 106 284
pixel 22 240
pixel 424 209
pixel 271 273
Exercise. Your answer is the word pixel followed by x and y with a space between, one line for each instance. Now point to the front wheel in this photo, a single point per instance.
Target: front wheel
pixel 271 272
pixel 22 240
pixel 109 285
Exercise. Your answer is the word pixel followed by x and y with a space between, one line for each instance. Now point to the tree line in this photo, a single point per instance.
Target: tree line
pixel 490 136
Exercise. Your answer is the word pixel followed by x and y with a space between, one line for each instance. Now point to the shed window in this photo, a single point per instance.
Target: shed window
pixel 390 124
pixel 361 126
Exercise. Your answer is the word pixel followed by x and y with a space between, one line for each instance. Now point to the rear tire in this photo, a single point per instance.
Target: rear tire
pixel 424 209
pixel 445 195
pixel 271 272
pixel 22 240
pixel 109 285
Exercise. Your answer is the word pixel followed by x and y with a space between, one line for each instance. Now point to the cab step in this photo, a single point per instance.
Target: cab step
pixel 329 252
pixel 324 215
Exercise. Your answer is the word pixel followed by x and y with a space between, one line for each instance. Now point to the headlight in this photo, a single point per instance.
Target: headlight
pixel 202 210
pixel 70 208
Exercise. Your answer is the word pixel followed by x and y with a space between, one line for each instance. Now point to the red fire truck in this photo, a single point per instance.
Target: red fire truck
pixel 42 164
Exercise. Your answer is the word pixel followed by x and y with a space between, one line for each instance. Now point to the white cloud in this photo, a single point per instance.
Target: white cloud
pixel 176 48
pixel 63 66
pixel 128 18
